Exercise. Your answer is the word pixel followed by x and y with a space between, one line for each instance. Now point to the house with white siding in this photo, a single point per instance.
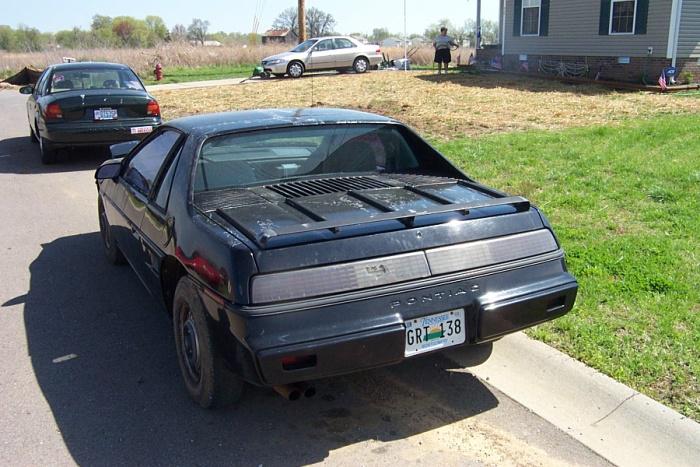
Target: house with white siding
pixel 610 39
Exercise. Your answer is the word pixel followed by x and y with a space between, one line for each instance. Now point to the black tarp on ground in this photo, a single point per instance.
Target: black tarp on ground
pixel 25 76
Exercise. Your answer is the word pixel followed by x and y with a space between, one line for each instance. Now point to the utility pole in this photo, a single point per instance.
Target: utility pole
pixel 478 25
pixel 302 20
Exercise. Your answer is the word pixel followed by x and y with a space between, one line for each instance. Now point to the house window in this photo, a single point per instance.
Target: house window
pixel 530 25
pixel 622 16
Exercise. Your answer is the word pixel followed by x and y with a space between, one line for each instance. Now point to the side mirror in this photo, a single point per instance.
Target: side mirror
pixel 26 89
pixel 109 170
pixel 122 149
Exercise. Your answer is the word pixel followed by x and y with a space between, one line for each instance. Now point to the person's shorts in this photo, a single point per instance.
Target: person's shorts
pixel 443 56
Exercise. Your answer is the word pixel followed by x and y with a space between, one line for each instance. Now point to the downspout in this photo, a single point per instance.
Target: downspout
pixel 676 33
pixel 503 27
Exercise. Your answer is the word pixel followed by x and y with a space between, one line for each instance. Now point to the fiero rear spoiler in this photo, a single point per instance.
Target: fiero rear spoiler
pixel 407 218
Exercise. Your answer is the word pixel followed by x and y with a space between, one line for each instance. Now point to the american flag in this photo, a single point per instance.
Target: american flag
pixel 662 80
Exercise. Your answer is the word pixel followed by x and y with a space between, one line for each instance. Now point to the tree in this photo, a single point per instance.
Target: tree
pixel 74 38
pixel 318 22
pixel 287 19
pixel 489 32
pixel 8 40
pixel 157 30
pixel 379 34
pixel 434 29
pixel 178 33
pixel 130 32
pixel 101 30
pixel 197 30
pixel 31 39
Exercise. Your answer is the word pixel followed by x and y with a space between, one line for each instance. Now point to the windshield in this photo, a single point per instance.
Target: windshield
pixel 304 46
pixel 272 156
pixel 94 78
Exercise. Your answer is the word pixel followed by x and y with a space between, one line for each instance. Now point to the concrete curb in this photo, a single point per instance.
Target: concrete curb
pixel 618 423
pixel 195 84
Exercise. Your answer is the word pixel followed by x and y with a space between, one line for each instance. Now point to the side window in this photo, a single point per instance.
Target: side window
pixel 164 188
pixel 144 165
pixel 39 88
pixel 324 45
pixel 341 43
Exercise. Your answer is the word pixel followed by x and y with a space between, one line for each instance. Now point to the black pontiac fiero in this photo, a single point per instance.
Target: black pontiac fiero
pixel 290 245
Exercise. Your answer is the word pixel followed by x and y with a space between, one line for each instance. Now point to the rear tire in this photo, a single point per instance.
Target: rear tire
pixel 361 65
pixel 207 380
pixel 112 252
pixel 48 153
pixel 295 69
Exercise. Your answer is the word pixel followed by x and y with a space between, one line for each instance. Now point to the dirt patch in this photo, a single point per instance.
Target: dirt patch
pixel 448 107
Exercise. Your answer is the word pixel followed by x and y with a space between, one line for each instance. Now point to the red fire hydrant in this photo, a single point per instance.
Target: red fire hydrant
pixel 158 72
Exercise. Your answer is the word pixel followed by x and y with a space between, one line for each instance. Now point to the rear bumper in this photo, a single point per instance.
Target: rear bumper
pixel 96 133
pixel 353 335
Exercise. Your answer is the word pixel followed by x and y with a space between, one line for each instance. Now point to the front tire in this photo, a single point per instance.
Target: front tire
pixel 48 153
pixel 207 380
pixel 361 65
pixel 295 69
pixel 112 252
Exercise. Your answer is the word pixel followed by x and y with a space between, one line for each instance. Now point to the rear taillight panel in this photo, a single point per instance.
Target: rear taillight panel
pixel 53 112
pixel 153 109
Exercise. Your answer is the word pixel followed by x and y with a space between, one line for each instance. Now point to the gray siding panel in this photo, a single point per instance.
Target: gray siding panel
pixel 573 30
pixel 689 33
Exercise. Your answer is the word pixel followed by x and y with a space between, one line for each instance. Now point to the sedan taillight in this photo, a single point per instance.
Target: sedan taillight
pixel 53 112
pixel 153 109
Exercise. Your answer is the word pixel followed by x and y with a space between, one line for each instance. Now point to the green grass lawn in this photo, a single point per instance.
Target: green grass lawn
pixel 182 75
pixel 625 202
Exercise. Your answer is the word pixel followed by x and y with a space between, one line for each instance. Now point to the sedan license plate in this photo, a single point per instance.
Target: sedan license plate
pixel 435 332
pixel 137 130
pixel 105 114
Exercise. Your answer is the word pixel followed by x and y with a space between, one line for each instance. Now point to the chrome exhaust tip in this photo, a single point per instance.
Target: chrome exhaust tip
pixel 288 391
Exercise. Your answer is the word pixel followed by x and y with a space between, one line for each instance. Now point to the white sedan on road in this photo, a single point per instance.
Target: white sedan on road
pixel 324 53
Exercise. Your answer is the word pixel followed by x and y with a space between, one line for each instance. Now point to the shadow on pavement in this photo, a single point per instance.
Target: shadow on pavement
pixel 20 155
pixel 103 355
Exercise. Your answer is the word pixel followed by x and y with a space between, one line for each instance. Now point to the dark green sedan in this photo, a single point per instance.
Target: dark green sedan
pixel 88 104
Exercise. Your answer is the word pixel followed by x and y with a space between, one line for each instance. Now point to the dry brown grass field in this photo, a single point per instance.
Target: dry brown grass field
pixel 447 107
pixel 143 60
pixel 181 55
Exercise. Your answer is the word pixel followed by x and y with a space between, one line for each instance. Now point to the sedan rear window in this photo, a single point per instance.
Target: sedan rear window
pixel 94 78
pixel 272 156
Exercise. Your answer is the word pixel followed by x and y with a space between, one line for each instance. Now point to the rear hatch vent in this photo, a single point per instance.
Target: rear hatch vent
pixel 325 186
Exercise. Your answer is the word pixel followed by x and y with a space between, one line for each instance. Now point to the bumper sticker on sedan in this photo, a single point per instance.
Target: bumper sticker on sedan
pixel 435 332
pixel 137 130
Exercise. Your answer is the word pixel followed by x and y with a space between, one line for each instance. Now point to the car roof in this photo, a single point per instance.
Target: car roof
pixel 227 122
pixel 82 65
pixel 331 37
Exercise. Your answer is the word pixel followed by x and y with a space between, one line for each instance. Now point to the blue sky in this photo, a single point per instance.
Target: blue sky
pixel 237 15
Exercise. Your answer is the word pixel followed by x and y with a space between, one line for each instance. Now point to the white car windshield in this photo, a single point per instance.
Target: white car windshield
pixel 304 46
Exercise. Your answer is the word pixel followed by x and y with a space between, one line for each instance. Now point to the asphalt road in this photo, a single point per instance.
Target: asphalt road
pixel 88 374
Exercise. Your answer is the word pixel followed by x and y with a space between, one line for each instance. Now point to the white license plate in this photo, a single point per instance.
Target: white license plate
pixel 105 114
pixel 435 332
pixel 137 130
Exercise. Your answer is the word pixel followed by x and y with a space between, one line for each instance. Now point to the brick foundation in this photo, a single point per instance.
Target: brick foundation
pixel 688 65
pixel 608 68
